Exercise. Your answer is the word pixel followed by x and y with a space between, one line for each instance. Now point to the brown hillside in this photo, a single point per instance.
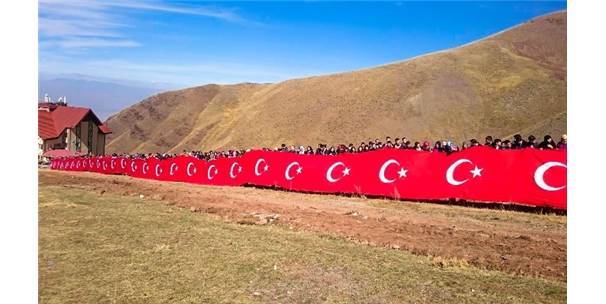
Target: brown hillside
pixel 514 81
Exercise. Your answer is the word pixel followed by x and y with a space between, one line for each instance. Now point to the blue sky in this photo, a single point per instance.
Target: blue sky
pixel 186 43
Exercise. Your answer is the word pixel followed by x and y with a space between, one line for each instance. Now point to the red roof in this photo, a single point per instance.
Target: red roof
pixel 105 129
pixel 60 153
pixel 52 123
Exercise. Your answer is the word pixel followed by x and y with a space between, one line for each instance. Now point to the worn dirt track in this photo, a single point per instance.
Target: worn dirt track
pixel 511 241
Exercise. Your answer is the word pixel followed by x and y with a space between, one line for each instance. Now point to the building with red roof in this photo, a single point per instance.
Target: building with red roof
pixel 75 130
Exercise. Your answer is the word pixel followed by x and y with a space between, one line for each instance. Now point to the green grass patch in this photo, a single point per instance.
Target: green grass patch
pixel 106 248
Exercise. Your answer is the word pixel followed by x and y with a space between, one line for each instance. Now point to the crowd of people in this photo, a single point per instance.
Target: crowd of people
pixel 517 142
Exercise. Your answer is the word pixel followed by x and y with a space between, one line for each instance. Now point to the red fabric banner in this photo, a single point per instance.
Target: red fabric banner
pixel 529 176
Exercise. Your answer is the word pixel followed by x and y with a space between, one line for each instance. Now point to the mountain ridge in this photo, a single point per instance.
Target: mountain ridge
pixel 499 85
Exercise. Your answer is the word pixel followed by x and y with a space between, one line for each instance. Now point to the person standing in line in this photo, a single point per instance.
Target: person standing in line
pixel 563 142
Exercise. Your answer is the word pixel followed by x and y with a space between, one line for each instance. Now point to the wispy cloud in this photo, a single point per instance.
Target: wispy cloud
pixel 212 71
pixel 100 23
pixel 239 70
pixel 84 42
pixel 64 28
pixel 198 11
pixel 182 74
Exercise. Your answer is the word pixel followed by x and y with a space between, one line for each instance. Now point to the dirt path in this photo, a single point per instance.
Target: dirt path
pixel 510 241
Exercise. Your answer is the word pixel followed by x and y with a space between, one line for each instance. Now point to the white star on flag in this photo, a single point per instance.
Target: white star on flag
pixel 266 168
pixel 402 172
pixel 476 172
pixel 346 171
pixel 299 170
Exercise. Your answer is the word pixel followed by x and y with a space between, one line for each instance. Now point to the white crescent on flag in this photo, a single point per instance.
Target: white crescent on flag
pixel 215 171
pixel 450 172
pixel 133 166
pixel 123 163
pixel 539 177
pixel 401 173
pixel 158 170
pixel 172 169
pixel 231 170
pixel 331 168
pixel 189 166
pixel 259 161
pixel 287 171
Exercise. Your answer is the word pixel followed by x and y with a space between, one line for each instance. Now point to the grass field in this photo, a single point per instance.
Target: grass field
pixel 108 248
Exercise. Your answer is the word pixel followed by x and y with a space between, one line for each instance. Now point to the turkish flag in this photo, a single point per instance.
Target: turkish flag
pixel 528 176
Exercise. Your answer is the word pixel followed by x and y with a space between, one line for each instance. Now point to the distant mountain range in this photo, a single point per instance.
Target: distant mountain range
pixel 513 81
pixel 105 96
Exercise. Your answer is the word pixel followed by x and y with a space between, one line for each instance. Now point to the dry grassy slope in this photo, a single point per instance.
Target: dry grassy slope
pixel 511 82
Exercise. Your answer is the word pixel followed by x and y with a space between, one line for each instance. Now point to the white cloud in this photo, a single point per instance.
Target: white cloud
pixel 98 23
pixel 82 42
pixel 203 72
pixel 199 11
pixel 223 68
pixel 71 28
